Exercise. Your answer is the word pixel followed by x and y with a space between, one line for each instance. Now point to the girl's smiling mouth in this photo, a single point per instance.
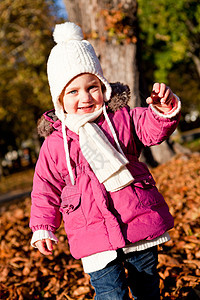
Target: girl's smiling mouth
pixel 86 107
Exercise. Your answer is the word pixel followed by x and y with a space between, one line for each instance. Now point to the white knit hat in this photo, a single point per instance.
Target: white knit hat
pixel 70 57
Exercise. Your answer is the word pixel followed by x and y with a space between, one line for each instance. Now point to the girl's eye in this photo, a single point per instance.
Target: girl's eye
pixel 73 92
pixel 93 87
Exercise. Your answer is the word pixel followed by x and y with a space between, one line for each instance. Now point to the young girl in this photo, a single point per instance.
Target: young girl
pixel 88 172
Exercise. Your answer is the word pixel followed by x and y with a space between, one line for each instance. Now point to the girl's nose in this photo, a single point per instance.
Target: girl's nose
pixel 85 96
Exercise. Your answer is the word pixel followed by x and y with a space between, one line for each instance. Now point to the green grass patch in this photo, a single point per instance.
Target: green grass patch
pixel 194 145
pixel 18 181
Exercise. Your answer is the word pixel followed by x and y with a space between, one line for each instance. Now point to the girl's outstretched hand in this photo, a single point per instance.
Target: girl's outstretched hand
pixel 161 97
pixel 45 246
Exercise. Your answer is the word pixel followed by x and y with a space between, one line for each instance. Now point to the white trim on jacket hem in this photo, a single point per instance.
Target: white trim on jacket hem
pixel 98 261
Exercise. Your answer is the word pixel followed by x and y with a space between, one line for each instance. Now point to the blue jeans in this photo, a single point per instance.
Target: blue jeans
pixel 111 283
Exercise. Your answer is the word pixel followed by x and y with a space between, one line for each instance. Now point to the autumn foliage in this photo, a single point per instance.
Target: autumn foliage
pixel 27 274
pixel 117 26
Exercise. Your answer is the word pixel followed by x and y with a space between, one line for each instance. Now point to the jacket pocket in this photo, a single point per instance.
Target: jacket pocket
pixel 71 208
pixel 147 192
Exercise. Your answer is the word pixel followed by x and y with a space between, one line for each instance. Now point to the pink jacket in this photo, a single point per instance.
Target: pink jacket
pixel 94 219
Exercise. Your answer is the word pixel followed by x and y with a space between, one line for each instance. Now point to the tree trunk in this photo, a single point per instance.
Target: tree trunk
pixel 111 27
pixel 118 61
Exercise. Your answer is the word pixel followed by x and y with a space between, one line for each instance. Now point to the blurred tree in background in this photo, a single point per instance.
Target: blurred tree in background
pixel 170 35
pixel 25 42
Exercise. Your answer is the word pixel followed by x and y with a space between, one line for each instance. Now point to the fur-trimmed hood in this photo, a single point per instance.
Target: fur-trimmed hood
pixel 119 98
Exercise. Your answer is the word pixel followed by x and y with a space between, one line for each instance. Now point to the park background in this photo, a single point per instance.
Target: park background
pixel 138 43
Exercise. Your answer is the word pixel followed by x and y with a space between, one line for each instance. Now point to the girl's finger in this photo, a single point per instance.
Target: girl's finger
pixel 156 87
pixel 162 90
pixel 49 244
pixel 149 100
pixel 42 247
pixel 165 97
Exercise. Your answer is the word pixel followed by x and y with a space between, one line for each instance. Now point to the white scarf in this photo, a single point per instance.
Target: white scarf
pixel 106 162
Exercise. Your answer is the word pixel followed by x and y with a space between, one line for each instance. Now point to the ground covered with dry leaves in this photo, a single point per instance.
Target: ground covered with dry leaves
pixel 27 274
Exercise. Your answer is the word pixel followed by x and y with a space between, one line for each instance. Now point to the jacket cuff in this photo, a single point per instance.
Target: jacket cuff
pixel 39 235
pixel 173 112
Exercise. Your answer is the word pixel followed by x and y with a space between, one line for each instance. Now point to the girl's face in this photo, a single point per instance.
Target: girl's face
pixel 82 95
